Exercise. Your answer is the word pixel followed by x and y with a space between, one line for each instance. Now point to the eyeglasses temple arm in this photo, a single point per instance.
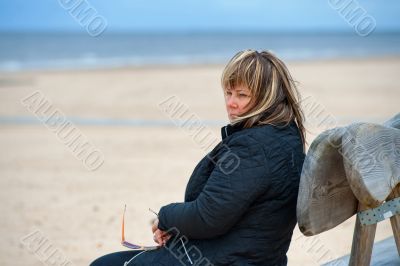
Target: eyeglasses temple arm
pixel 123 225
pixel 153 212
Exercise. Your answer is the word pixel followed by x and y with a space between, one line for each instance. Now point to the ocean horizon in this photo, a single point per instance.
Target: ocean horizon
pixel 46 50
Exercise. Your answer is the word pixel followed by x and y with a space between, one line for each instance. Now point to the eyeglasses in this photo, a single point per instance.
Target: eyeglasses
pixel 130 245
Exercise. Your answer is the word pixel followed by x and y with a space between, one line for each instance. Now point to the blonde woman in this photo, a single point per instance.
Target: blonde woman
pixel 240 201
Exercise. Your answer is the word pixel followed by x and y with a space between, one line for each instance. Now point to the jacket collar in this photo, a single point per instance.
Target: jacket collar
pixel 229 129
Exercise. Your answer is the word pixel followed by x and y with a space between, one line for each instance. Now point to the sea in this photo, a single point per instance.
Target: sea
pixel 66 50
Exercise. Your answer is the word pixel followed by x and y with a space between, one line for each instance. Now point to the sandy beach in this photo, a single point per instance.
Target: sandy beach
pixel 47 191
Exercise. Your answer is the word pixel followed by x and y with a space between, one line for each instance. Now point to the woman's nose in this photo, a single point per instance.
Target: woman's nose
pixel 232 102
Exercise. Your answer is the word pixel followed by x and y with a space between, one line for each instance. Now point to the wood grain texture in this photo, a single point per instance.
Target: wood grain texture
pixel 371 158
pixel 393 122
pixel 363 242
pixel 395 220
pixel 325 199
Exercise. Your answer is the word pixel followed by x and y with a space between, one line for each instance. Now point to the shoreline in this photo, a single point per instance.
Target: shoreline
pixel 157 66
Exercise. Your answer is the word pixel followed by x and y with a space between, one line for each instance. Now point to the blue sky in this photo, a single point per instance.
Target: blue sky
pixel 187 15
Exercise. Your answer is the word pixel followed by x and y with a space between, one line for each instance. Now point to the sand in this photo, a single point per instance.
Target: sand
pixel 48 192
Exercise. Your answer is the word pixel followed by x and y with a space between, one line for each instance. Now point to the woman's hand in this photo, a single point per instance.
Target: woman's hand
pixel 159 236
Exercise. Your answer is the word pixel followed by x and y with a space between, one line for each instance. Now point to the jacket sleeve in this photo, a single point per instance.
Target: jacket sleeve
pixel 240 175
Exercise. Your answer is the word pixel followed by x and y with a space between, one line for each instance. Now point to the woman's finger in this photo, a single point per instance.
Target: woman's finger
pixel 163 233
pixel 165 239
pixel 155 238
pixel 159 236
pixel 154 227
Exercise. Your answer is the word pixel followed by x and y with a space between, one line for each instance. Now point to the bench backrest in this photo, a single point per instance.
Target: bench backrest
pixel 344 166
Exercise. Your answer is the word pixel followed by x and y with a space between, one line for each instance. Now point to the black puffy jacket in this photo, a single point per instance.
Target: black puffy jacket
pixel 240 202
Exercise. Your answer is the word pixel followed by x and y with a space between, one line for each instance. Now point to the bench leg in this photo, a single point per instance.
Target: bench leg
pixel 395 220
pixel 363 242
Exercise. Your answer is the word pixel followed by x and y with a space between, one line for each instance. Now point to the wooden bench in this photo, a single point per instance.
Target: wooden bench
pixel 348 170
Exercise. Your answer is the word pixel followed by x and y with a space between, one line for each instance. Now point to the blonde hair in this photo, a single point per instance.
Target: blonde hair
pixel 275 99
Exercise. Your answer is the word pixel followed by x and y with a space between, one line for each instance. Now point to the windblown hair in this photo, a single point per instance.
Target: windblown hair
pixel 275 99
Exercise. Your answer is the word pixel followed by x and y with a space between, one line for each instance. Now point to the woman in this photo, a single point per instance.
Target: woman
pixel 240 202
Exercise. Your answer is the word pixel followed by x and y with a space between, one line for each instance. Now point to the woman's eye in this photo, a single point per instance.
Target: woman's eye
pixel 228 93
pixel 242 95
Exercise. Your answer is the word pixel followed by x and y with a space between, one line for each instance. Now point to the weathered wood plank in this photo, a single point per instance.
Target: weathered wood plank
pixel 393 122
pixel 325 198
pixel 395 220
pixel 363 241
pixel 383 253
pixel 371 158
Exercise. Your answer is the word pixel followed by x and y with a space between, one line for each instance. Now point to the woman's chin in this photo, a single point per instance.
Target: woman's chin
pixel 232 118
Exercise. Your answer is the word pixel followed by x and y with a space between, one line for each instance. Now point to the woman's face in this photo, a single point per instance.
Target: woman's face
pixel 237 101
